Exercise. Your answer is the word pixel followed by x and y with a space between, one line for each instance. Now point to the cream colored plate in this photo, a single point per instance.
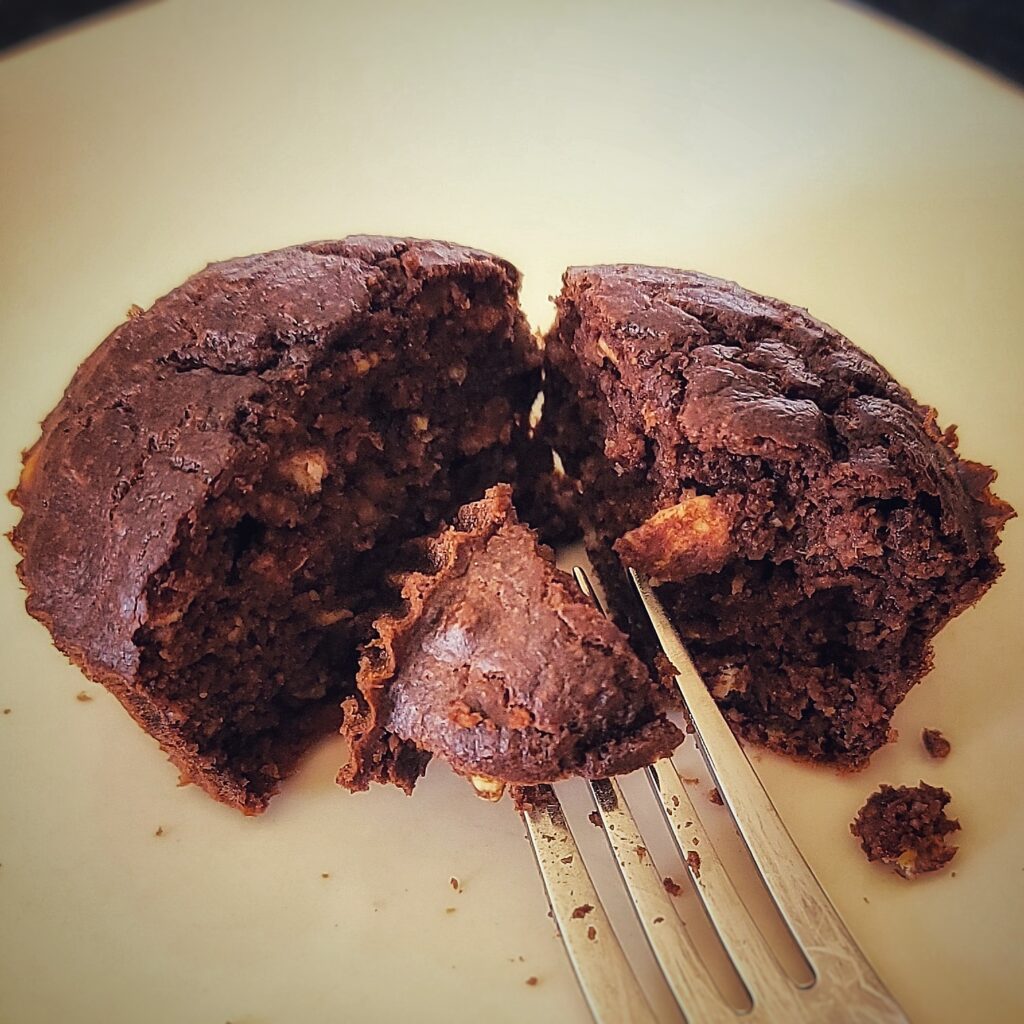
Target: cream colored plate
pixel 804 149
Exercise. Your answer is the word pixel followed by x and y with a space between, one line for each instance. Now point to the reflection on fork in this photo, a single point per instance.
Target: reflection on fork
pixel 840 985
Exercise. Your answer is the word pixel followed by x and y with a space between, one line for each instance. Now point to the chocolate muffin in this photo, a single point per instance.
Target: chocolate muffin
pixel 905 827
pixel 809 526
pixel 501 666
pixel 214 507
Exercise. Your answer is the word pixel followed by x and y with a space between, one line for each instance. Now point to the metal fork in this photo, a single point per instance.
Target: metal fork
pixel 845 988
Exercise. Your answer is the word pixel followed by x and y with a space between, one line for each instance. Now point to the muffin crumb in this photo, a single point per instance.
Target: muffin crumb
pixel 935 743
pixel 905 828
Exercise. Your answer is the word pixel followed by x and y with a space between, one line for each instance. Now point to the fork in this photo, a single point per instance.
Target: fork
pixel 844 987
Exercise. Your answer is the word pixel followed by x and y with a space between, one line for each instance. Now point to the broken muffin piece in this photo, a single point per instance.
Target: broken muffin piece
pixel 906 828
pixel 935 743
pixel 809 525
pixel 500 665
pixel 212 506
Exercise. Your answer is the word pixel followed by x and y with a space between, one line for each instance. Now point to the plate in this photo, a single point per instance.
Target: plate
pixel 808 151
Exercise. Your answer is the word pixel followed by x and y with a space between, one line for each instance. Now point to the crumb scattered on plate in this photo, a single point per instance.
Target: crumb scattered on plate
pixel 935 743
pixel 905 827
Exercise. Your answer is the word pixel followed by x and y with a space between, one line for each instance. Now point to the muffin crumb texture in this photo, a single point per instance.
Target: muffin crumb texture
pixel 906 827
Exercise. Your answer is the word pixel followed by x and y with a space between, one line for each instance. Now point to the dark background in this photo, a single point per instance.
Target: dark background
pixel 990 31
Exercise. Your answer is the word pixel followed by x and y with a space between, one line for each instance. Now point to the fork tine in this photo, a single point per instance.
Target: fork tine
pixel 583 582
pixel 602 970
pixel 753 959
pixel 691 984
pixel 750 954
pixel 855 991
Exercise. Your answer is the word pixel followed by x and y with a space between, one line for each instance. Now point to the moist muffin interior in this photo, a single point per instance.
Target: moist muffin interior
pixel 253 623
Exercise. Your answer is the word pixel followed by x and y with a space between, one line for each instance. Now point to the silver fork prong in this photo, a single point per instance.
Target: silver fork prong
pixel 854 991
pixel 604 974
pixel 583 582
pixel 691 984
pixel 771 990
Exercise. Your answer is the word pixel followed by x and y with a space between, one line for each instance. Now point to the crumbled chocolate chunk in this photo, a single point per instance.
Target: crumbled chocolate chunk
pixel 595 819
pixel 531 981
pixel 591 933
pixel 906 827
pixel 672 887
pixel 582 910
pixel 715 797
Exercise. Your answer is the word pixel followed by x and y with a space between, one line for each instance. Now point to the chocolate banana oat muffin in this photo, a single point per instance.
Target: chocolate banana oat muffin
pixel 501 666
pixel 212 511
pixel 809 525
